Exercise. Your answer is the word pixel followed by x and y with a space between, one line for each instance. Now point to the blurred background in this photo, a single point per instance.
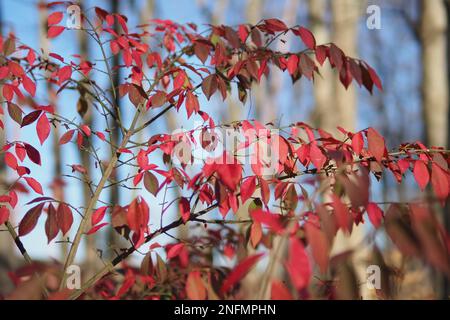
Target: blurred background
pixel 406 41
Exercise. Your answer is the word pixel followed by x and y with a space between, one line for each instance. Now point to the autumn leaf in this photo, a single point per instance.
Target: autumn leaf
pixel 64 218
pixel 209 85
pixel 174 250
pixel 292 64
pixel 64 74
pixel 267 218
pixel 32 153
pixel 307 37
pixel 94 229
pixel 298 265
pixel 4 214
pixel 275 25
pixel 357 143
pixel 279 291
pixel 239 272
pixel 195 289
pixel 439 181
pixel 98 215
pixel 30 220
pixel 248 187
pixel 343 217
pixel 376 143
pixel 66 137
pixel 375 214
pixel 11 160
pixel 30 118
pixel 192 104
pixel 43 128
pixel 55 18
pixel 320 246
pixel 34 184
pixel 185 209
pixel 317 157
pixel 421 174
pixel 151 183
pixel 51 224
pixel 29 85
pixel 54 31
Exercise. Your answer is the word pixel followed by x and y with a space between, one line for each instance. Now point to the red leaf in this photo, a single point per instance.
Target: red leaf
pixel 86 130
pixel 55 18
pixel 248 187
pixel 138 215
pixel 376 143
pixel 13 198
pixel 43 128
pixel 228 169
pixel 269 219
pixel 341 212
pixel 30 118
pixel 36 186
pixel 240 271
pixel 275 25
pixel 4 214
pixel 29 85
pixel 321 54
pixel 357 143
pixel 255 234
pixel 317 156
pixel 375 79
pixel 15 69
pixel 11 160
pixel 51 224
pixel 100 135
pixel 174 250
pixel 54 31
pixel 375 214
pixel 64 74
pixel 279 291
pixel 32 153
pixel 192 104
pixel 195 289
pixel 21 153
pixel 421 174
pixel 94 229
pixel 243 32
pixel 30 220
pixel 8 92
pixel 66 137
pixel 185 209
pixel 292 64
pixel 336 56
pixel 209 85
pixel 439 181
pixel 307 37
pixel 98 215
pixel 130 279
pixel 298 265
pixel 319 246
pixel 64 218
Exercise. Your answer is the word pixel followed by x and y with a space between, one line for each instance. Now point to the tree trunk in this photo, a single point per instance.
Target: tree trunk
pixel 433 28
pixel 345 34
pixel 323 87
pixel 346 14
pixel 435 82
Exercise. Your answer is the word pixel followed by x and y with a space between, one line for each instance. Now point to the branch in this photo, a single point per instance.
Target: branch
pixel 88 212
pixel 26 256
